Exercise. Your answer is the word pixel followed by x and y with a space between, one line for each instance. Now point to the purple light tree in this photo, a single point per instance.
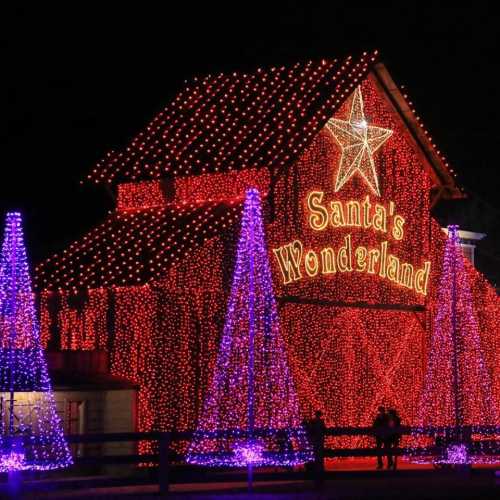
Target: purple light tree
pixel 456 399
pixel 252 390
pixel 31 436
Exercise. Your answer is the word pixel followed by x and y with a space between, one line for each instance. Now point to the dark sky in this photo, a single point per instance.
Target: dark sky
pixel 79 81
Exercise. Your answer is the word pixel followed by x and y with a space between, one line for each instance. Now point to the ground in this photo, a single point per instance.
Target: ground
pixel 349 480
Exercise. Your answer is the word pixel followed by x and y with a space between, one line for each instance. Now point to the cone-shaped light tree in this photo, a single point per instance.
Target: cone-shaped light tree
pixel 252 390
pixel 31 436
pixel 456 397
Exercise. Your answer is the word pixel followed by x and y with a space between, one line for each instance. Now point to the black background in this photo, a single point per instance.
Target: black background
pixel 79 80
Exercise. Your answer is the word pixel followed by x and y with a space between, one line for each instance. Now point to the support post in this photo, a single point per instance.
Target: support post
pixel 251 353
pixel 14 484
pixel 164 465
pixel 457 389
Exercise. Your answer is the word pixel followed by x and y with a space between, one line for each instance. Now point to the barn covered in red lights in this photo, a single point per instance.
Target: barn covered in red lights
pixel 349 177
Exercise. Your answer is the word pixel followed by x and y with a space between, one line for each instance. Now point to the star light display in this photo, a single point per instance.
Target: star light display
pixel 31 436
pixel 250 452
pixel 252 389
pixel 359 141
pixel 151 283
pixel 457 392
pixel 457 454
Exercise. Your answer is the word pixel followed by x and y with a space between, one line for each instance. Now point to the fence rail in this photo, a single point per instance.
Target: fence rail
pixel 165 439
pixel 330 431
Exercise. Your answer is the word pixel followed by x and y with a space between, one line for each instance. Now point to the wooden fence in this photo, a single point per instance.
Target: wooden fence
pixel 164 439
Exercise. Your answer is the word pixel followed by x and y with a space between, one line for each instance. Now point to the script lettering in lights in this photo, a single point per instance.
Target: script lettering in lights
pixel 358 141
pixel 295 262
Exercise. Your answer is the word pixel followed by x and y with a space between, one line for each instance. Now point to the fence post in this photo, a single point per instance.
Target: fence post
pixel 164 465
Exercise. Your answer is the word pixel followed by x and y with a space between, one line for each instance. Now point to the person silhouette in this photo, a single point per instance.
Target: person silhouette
pixel 317 428
pixel 380 432
pixel 393 437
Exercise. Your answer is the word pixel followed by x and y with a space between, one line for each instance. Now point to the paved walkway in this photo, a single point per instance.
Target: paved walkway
pixel 346 479
pixel 402 485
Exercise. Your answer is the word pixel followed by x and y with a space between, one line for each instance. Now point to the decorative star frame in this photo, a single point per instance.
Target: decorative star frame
pixel 358 141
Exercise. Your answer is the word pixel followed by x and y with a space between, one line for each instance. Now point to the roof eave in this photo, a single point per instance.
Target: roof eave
pixel 445 186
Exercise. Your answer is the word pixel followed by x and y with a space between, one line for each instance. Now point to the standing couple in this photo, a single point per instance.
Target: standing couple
pixel 387 436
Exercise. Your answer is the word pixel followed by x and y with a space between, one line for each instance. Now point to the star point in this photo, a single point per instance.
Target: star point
pixel 358 141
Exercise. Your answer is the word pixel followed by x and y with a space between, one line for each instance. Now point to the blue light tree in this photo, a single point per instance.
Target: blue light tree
pixel 31 436
pixel 456 401
pixel 252 388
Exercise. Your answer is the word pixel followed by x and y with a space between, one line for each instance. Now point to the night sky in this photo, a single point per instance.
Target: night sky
pixel 78 82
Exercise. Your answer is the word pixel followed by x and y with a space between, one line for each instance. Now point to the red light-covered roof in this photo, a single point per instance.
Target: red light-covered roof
pixel 135 247
pixel 235 121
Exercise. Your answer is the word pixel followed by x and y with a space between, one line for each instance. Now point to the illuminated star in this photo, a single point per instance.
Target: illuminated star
pixel 358 141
